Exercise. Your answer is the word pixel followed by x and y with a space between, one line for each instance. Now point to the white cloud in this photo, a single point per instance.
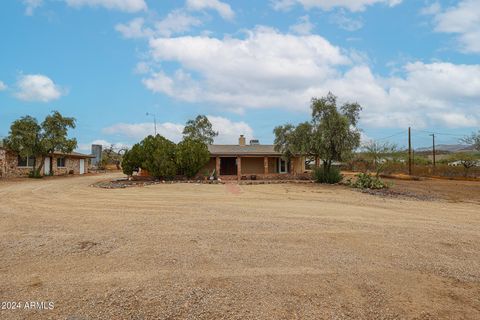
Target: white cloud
pixel 37 87
pixel 462 20
pixel 270 69
pixel 121 5
pixel 31 5
pixel 228 130
pixel 3 86
pixel 342 20
pixel 176 22
pixel 134 29
pixel 352 5
pixel 275 70
pixel 223 9
pixel 304 26
pixel 139 131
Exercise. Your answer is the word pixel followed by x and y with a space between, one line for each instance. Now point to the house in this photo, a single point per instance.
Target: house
pixel 12 165
pixel 252 161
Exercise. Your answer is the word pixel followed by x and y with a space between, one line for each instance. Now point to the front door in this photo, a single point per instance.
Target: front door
pixel 46 167
pixel 82 166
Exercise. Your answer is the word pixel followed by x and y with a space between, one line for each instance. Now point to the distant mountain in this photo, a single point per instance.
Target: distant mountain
pixel 447 147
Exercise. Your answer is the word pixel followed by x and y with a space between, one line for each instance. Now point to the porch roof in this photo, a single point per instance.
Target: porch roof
pixel 247 150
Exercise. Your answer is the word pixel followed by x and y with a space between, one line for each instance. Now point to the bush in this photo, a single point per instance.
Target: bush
pixel 333 176
pixel 367 181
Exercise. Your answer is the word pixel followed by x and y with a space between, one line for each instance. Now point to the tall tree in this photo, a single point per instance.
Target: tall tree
pixel 54 135
pixel 331 135
pixel 28 138
pixel 24 137
pixel 200 129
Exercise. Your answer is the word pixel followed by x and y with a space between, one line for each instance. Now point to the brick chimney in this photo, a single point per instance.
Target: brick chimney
pixel 241 140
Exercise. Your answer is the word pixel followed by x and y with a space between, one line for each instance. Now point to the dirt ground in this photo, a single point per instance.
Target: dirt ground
pixel 280 251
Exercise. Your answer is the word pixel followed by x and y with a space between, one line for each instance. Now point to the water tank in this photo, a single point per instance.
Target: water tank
pixel 97 152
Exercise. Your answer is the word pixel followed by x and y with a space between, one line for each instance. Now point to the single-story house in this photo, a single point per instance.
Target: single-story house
pixel 12 165
pixel 252 161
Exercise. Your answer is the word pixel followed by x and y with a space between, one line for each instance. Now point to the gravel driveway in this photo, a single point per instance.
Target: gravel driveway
pixel 188 251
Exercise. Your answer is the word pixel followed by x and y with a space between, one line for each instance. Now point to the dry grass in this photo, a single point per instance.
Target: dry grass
pixel 186 251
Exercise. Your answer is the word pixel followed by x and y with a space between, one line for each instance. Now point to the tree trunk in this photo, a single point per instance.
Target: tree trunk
pixel 42 162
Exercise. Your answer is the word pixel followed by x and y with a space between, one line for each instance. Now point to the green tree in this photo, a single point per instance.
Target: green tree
pixel 331 135
pixel 200 129
pixel 54 136
pixel 335 132
pixel 132 159
pixel 191 155
pixel 159 157
pixel 28 138
pixel 24 137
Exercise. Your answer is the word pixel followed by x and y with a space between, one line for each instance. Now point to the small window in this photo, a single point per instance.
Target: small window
pixel 26 162
pixel 60 162
pixel 282 166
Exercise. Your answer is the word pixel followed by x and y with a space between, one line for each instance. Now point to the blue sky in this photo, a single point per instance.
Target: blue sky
pixel 248 65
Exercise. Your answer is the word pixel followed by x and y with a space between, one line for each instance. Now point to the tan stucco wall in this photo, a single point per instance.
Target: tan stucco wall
pixel 252 165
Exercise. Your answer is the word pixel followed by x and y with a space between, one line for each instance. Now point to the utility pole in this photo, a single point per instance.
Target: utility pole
pixel 154 121
pixel 433 150
pixel 409 151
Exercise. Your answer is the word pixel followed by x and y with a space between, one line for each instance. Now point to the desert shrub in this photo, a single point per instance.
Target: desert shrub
pixel 333 176
pixel 191 155
pixel 368 181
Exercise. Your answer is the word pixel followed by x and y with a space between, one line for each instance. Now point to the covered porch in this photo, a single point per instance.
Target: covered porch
pixel 247 167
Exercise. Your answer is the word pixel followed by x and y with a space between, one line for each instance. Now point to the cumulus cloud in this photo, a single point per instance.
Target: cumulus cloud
pixel 223 9
pixel 462 20
pixel 3 86
pixel 176 22
pixel 37 87
pixel 269 69
pixel 352 5
pixel 121 5
pixel 228 130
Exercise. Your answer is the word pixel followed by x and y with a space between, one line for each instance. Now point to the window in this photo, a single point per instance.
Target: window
pixel 282 166
pixel 60 162
pixel 26 162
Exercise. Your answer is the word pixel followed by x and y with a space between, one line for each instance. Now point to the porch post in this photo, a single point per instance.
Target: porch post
pixel 265 165
pixel 217 166
pixel 239 167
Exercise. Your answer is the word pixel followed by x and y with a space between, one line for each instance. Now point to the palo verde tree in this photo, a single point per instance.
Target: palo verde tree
pixel 191 155
pixel 200 129
pixel 28 138
pixel 377 152
pixel 331 135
